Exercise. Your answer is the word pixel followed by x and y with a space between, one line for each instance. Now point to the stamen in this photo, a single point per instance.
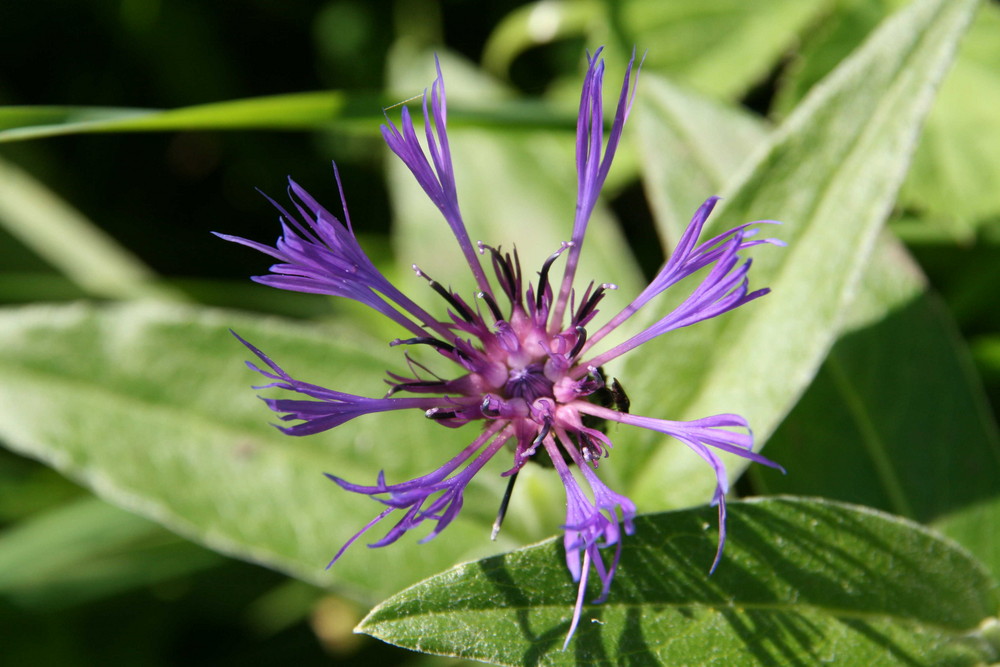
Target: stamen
pixel 502 512
pixel 590 449
pixel 487 407
pixel 425 340
pixel 507 270
pixel 581 338
pixel 437 414
pixel 491 302
pixel 456 303
pixel 587 307
pixel 543 275
pixel 546 427
pixel 417 385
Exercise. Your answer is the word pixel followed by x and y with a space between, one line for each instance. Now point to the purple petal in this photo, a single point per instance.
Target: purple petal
pixel 318 254
pixel 331 408
pixel 592 165
pixel 437 175
pixel 722 290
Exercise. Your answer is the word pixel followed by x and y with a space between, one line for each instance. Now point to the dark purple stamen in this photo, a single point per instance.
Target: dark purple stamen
pixel 543 279
pixel 508 272
pixel 502 512
pixel 587 307
pixel 529 383
pixel 418 386
pixel 581 338
pixel 463 311
pixel 426 340
pixel 438 414
pixel 494 308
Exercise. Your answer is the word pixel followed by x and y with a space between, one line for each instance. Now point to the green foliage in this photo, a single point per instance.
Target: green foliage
pixel 830 173
pixel 804 582
pixel 135 420
pixel 853 372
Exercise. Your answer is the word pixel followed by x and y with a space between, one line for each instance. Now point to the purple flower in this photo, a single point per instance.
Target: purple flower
pixel 528 370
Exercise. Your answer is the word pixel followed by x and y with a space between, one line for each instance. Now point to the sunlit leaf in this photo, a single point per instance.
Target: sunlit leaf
pixel 955 170
pixel 913 433
pixel 722 47
pixel 830 175
pixel 690 148
pixel 951 183
pixel 151 407
pixel 923 444
pixel 803 582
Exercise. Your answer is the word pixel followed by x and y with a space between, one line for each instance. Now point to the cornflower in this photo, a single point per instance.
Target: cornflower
pixel 528 370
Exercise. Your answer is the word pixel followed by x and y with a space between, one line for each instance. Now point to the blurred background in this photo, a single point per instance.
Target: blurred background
pixel 107 587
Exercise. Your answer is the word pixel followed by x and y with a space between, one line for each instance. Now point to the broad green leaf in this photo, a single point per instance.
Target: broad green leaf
pixel 954 170
pixel 721 47
pixel 830 174
pixel 690 148
pixel 895 418
pixel 30 488
pixel 86 550
pixel 802 582
pixel 515 188
pixel 151 407
pixel 844 27
pixel 920 441
pixel 71 243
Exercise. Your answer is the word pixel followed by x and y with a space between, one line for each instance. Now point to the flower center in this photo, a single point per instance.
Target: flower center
pixel 528 383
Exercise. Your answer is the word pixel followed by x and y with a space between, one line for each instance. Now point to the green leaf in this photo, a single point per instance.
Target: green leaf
pixel 843 28
pixel 830 174
pixel 151 407
pixel 86 550
pixel 279 112
pixel 951 183
pixel 955 170
pixel 356 113
pixel 802 582
pixel 70 242
pixel 896 418
pixel 721 47
pixel 921 440
pixel 690 147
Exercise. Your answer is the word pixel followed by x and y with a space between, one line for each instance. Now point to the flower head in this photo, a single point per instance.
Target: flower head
pixel 526 359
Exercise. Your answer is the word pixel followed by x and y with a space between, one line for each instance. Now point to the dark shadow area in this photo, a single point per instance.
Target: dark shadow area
pixel 892 421
pixel 777 589
pixel 508 581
